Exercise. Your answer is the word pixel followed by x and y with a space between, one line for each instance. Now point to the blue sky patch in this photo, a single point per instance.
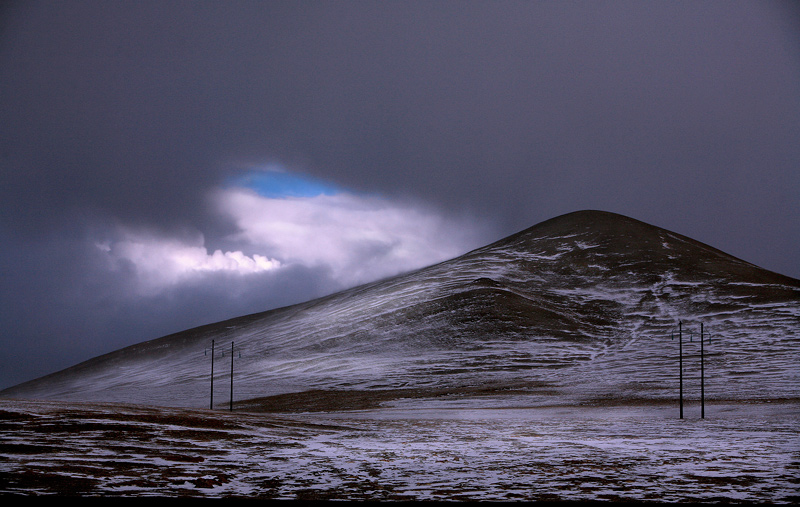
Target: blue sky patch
pixel 276 184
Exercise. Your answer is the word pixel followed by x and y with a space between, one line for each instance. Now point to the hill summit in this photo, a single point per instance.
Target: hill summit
pixel 578 308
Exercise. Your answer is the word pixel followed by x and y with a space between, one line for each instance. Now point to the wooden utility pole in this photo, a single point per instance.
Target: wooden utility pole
pixel 680 362
pixel 211 405
pixel 231 406
pixel 233 351
pixel 702 367
pixel 702 377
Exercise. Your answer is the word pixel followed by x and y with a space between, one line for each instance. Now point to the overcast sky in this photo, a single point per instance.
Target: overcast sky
pixel 170 164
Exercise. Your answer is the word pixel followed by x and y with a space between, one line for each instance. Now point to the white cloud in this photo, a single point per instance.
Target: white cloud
pixel 352 238
pixel 163 262
pixel 359 238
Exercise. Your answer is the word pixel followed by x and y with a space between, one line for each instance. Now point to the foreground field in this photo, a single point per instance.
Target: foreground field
pixel 739 453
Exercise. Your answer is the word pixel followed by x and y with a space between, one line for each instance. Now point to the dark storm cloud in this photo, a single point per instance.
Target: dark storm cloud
pixel 682 114
pixel 61 305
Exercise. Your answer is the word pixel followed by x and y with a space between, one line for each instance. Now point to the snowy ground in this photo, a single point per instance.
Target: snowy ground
pixel 741 452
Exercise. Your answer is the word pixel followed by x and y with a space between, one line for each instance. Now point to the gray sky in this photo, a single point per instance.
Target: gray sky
pixel 169 164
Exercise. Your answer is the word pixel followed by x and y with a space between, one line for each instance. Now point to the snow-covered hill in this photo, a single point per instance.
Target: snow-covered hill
pixel 577 309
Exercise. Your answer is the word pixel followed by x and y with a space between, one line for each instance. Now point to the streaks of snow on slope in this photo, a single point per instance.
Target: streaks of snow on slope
pixel 586 303
pixel 733 369
pixel 352 341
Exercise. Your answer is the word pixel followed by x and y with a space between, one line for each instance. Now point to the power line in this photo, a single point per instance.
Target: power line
pixel 703 339
pixel 233 353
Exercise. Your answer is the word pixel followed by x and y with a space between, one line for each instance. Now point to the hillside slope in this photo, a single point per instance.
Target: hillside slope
pixel 578 308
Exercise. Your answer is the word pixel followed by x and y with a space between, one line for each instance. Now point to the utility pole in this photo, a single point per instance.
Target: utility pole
pixel 702 376
pixel 680 362
pixel 211 405
pixel 234 350
pixel 702 366
pixel 231 407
